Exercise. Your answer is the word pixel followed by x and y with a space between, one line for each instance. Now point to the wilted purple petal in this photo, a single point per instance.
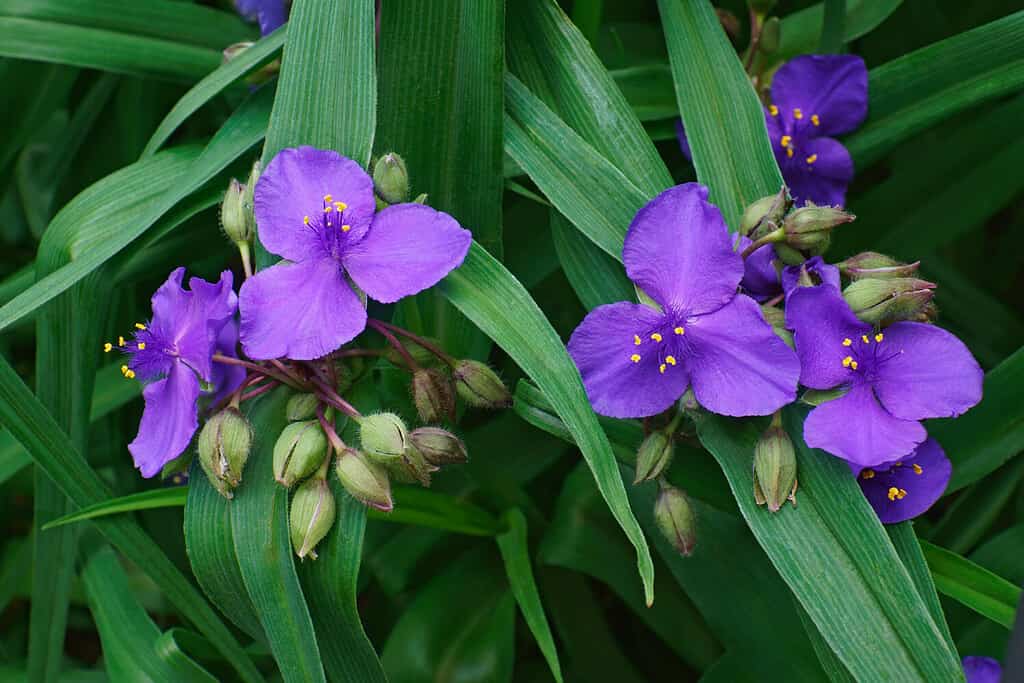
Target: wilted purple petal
pixel 227 377
pixel 408 248
pixel 832 87
pixel 168 421
pixel 623 378
pixel 269 13
pixel 760 276
pixel 821 320
pixel 679 251
pixel 299 310
pixel 982 670
pixel 738 366
pixel 907 488
pixel 924 372
pixel 856 428
pixel 822 273
pixel 819 171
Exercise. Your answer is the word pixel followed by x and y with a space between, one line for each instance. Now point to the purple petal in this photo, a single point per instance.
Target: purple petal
pixel 678 249
pixel 856 428
pixel 833 87
pixel 760 276
pixel 926 372
pixel 821 320
pixel 603 346
pixel 299 310
pixel 738 366
pixel 824 180
pixel 919 480
pixel 684 144
pixel 409 247
pixel 225 377
pixel 982 670
pixel 823 273
pixel 293 186
pixel 168 421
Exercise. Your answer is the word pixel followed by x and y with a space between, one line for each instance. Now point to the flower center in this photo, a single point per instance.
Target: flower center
pixel 894 492
pixel 330 225
pixel 862 354
pixel 148 354
pixel 795 124
pixel 664 343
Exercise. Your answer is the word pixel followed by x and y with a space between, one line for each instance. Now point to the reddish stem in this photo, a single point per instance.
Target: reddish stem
pixel 416 339
pixel 336 443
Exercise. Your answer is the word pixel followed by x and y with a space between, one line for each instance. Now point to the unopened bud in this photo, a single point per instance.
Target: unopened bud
pixel 224 445
pixel 479 386
pixel 412 467
pixel 654 456
pixel 438 446
pixel 688 403
pixel 771 36
pixel 419 354
pixel 433 394
pixel 871 264
pixel 808 227
pixel 788 255
pixel 675 518
pixel 765 212
pixel 774 469
pixel 384 436
pixel 301 407
pixel 776 317
pixel 233 216
pixel 391 179
pixel 367 482
pixel 881 302
pixel 299 451
pixel 312 515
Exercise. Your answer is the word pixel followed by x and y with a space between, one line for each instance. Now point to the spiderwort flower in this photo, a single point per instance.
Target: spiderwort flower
pixel 637 361
pixel 315 208
pixel 175 348
pixel 813 97
pixel 907 487
pixel 269 13
pixel 893 379
pixel 982 670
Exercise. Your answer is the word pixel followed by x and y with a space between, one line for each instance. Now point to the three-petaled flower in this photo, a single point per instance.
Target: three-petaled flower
pixel 176 348
pixel 892 379
pixel 316 209
pixel 637 361
pixel 908 487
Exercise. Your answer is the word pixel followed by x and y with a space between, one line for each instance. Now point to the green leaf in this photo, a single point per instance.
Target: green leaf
pixel 145 500
pixel 991 596
pixel 499 305
pixel 596 277
pixel 832 27
pixel 909 549
pixel 974 512
pixel 801 31
pixel 435 510
pixel 724 119
pixel 515 551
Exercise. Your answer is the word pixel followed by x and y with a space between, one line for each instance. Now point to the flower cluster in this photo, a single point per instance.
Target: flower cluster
pixel 344 236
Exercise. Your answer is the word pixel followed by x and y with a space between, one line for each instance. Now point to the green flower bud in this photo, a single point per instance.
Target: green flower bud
pixel 788 255
pixel 419 354
pixel 765 214
pixel 412 467
pixel 364 480
pixel 433 394
pixel 384 436
pixel 224 445
pixel 771 36
pixel 808 227
pixel 654 456
pixel 776 317
pixel 299 451
pixel 312 515
pixel 438 446
pixel 479 386
pixel 391 179
pixel 301 407
pixel 233 214
pixel 774 469
pixel 675 518
pixel 881 302
pixel 815 397
pixel 871 264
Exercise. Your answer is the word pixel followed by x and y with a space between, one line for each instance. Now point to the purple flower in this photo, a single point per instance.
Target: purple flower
pixel 982 670
pixel 892 379
pixel 907 487
pixel 814 97
pixel 637 361
pixel 760 271
pixel 176 348
pixel 269 13
pixel 822 273
pixel 315 208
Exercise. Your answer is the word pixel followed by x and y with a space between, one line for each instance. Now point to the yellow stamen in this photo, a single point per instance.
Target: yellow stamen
pixel 305 220
pixel 140 326
pixel 917 468
pixel 679 330
pixel 847 341
pixel 815 120
pixel 864 338
pixel 671 360
pixel 867 474
pixel 635 358
pixel 656 336
pixel 120 341
pixel 789 152
pixel 798 113
pixel 346 228
pixel 893 492
pixel 786 140
pixel 661 368
pixel 636 340
pixel 124 369
pixel 879 337
pixel 107 347
pixel 340 206
pixel 853 365
pixel 130 374
pixel 847 361
pixel 328 198
pixel 142 346
pixel 328 209
pixel 811 159
pixel 902 494
pixel 773 110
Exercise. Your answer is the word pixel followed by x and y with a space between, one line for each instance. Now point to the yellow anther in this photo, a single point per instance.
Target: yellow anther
pixel 635 358
pixel 847 361
pixel 867 474
pixel 656 336
pixel 789 152
pixel 107 347
pixel 142 346
pixel 847 341
pixel 124 369
pixel 893 493
pixel 786 140
pixel 811 159
pixel 853 365
pixel 636 340
pixel 671 360
pixel 815 120
pixel 661 368
pixel 328 209
pixel 879 337
pixel 773 110
pixel 798 113
pixel 679 330
pixel 120 341
pixel 328 198
pixel 917 468
pixel 902 494
pixel 897 464
pixel 340 206
pixel 864 338
pixel 305 220
pixel 140 326
pixel 346 228
pixel 130 374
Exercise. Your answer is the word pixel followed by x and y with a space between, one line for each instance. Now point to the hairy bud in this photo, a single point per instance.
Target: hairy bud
pixel 765 215
pixel 419 354
pixel 774 469
pixel 479 386
pixel 808 228
pixel 234 217
pixel 224 445
pixel 433 394
pixel 367 482
pixel 384 436
pixel 299 451
pixel 412 467
pixel 871 264
pixel 391 179
pixel 675 518
pixel 301 407
pixel 312 515
pixel 438 446
pixel 881 302
pixel 654 456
